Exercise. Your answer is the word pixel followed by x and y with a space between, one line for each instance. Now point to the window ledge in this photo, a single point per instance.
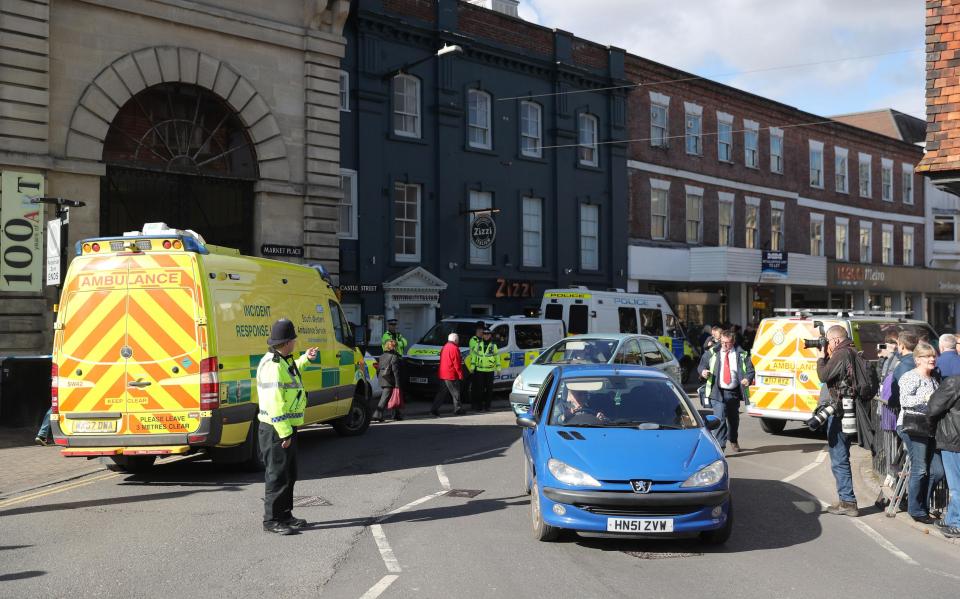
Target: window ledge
pixel 393 136
pixel 479 150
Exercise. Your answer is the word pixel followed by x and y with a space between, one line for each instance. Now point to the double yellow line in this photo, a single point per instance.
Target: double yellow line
pixel 57 489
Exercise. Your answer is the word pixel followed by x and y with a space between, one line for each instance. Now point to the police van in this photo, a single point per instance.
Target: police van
pixel 786 387
pixel 157 342
pixel 585 310
pixel 519 339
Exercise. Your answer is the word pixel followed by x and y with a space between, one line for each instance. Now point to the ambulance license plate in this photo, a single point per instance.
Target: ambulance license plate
pixel 782 381
pixel 95 426
pixel 419 380
pixel 639 525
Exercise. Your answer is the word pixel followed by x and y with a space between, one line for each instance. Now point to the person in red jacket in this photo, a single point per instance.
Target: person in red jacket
pixel 451 373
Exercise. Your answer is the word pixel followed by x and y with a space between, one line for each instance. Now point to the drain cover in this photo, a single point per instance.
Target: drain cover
pixel 310 501
pixel 463 492
pixel 661 554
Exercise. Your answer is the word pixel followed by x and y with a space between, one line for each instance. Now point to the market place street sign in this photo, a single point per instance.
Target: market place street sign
pixel 283 251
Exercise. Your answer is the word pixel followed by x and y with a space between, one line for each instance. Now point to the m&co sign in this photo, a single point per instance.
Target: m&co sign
pixel 21 234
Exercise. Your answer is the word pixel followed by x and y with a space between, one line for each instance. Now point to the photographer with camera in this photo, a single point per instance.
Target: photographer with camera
pixel 835 369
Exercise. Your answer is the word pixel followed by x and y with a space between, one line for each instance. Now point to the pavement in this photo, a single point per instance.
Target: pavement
pixel 435 508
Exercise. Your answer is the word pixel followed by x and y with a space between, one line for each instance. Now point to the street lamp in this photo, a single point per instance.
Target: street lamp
pixel 446 49
pixel 63 213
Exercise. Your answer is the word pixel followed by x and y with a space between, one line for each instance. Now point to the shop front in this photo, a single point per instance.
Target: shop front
pixel 927 294
pixel 708 285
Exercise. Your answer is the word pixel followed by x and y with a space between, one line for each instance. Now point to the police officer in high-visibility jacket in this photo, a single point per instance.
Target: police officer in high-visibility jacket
pixel 282 401
pixel 484 360
pixel 393 333
pixel 468 380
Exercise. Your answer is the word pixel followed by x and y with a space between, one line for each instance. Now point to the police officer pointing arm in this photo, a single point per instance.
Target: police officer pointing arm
pixel 282 401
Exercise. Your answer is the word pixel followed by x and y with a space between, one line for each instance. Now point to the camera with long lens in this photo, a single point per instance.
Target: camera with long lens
pixel 820 342
pixel 820 416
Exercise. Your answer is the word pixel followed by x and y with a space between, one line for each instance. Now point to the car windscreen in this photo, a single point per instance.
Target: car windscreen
pixel 619 401
pixel 873 333
pixel 438 334
pixel 579 351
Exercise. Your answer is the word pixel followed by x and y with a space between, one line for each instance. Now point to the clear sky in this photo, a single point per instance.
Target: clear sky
pixel 715 38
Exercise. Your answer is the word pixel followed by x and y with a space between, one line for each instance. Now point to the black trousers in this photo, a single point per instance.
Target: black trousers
pixel 280 474
pixel 482 387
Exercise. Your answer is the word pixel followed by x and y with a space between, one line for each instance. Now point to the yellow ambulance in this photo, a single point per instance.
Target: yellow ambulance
pixel 786 387
pixel 157 341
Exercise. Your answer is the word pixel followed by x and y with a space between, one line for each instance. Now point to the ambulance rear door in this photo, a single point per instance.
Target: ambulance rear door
pixel 166 343
pixel 89 342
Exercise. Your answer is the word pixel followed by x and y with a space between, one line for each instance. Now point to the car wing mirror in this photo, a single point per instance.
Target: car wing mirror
pixel 526 420
pixel 712 422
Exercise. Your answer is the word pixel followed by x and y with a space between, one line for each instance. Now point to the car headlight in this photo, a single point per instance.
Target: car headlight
pixel 707 476
pixel 518 383
pixel 570 475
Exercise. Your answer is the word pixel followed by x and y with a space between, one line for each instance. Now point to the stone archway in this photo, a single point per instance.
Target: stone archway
pixel 137 71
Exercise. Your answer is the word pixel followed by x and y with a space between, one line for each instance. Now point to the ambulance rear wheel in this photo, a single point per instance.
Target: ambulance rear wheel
pixel 133 464
pixel 357 420
pixel 774 427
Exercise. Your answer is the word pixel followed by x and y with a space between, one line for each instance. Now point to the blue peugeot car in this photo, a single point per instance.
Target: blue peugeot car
pixel 620 449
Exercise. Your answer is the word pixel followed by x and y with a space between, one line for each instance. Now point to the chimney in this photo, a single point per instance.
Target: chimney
pixel 507 7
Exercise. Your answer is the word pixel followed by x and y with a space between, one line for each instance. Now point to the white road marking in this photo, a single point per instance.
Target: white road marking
pixel 880 540
pixel 820 457
pixel 389 559
pixel 444 481
pixel 939 573
pixel 378 589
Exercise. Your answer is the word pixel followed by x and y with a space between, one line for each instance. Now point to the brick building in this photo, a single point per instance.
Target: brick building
pixel 718 175
pixel 432 143
pixel 941 161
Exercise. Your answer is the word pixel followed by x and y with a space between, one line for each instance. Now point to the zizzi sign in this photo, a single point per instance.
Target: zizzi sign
pixel 508 288
pixel 21 232
pixel 483 231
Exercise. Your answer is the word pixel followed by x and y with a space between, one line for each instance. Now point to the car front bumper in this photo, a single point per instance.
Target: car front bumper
pixel 691 511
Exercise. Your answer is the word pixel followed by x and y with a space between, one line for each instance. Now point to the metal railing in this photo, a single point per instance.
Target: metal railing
pixel 888 454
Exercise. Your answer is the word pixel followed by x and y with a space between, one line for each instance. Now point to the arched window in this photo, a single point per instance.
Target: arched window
pixel 180 128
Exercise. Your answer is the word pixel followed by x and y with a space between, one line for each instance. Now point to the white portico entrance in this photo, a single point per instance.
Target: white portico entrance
pixel 412 297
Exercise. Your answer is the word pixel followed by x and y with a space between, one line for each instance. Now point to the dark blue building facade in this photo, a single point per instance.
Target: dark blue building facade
pixel 516 127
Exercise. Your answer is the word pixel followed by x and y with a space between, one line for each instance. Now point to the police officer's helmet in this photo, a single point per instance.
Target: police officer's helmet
pixel 282 332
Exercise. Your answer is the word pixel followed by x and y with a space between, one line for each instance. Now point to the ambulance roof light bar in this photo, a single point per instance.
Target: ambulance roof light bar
pixel 807 312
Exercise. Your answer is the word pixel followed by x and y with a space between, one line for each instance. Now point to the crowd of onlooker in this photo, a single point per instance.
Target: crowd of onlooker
pixel 920 418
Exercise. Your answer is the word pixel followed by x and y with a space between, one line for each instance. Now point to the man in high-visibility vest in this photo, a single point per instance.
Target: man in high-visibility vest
pixel 485 361
pixel 393 333
pixel 282 401
pixel 468 380
pixel 729 373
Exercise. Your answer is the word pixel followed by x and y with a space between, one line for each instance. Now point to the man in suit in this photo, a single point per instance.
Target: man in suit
pixel 728 372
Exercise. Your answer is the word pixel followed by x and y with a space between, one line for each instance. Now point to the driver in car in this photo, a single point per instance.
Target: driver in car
pixel 576 409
